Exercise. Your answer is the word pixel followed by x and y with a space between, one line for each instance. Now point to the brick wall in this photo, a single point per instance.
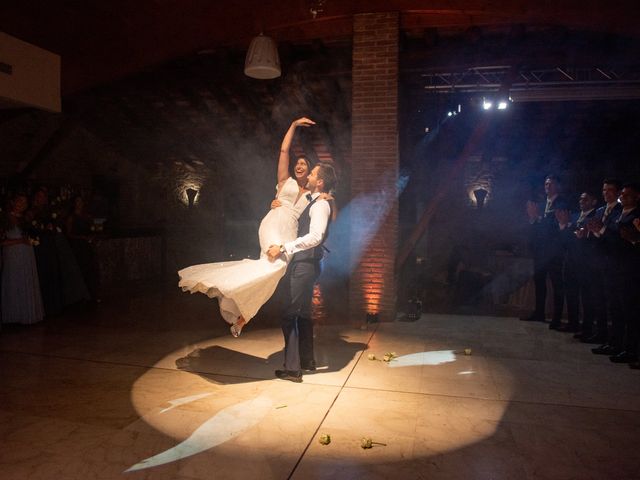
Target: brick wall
pixel 374 231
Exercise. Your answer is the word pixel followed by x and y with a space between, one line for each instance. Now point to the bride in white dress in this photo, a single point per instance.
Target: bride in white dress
pixel 243 286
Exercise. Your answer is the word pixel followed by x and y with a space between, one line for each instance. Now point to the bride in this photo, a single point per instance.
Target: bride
pixel 243 286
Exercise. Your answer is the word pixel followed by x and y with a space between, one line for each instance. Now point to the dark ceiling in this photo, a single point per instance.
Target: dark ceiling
pixel 100 41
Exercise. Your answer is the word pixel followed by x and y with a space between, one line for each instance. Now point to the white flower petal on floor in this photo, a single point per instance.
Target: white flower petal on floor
pixel 223 426
pixel 424 358
pixel 184 400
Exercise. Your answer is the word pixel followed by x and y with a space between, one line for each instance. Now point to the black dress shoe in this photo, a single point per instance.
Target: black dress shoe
pixel 605 349
pixel 624 357
pixel 533 318
pixel 579 335
pixel 555 326
pixel 309 367
pixel 596 338
pixel 634 365
pixel 568 328
pixel 295 377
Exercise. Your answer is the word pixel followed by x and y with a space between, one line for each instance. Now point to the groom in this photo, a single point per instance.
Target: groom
pixel 303 270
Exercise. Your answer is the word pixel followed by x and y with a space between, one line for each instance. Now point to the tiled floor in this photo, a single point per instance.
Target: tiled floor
pixel 155 388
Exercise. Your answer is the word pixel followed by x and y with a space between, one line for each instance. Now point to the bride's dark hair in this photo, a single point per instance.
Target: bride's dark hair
pixel 306 160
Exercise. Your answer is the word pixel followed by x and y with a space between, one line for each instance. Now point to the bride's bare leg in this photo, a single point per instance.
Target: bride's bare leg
pixel 236 328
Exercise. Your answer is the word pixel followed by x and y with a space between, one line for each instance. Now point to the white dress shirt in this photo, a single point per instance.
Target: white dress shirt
pixel 319 212
pixel 606 213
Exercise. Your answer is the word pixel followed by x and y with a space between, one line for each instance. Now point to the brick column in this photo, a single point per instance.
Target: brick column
pixel 374 224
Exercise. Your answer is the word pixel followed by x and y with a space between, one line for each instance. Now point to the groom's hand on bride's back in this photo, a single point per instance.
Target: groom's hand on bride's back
pixel 273 252
pixel 276 203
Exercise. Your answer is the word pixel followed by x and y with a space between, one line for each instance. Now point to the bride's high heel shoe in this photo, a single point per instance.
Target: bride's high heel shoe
pixel 236 328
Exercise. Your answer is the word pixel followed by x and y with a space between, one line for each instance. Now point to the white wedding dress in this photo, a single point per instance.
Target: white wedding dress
pixel 243 286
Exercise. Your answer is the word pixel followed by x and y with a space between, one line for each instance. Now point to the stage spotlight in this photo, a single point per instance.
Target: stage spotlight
pixel 502 105
pixel 487 104
pixel 450 114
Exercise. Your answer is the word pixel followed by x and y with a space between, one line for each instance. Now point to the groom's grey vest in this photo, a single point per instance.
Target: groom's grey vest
pixel 304 225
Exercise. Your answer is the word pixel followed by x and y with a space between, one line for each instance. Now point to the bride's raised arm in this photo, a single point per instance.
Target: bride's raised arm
pixel 283 160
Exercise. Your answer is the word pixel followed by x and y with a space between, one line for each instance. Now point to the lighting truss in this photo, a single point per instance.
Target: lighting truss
pixel 559 83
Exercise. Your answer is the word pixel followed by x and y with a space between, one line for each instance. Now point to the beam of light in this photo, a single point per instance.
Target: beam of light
pixel 424 358
pixel 184 400
pixel 223 426
pixel 466 372
pixel 342 261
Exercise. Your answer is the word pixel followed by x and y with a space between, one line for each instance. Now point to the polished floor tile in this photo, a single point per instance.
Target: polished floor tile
pixel 154 387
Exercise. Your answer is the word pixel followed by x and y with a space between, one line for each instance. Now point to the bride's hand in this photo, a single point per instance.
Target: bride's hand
pixel 326 196
pixel 303 122
pixel 276 203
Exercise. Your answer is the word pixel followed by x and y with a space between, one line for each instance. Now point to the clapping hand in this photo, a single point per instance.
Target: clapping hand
pixel 326 196
pixel 562 216
pixel 532 210
pixel 636 223
pixel 595 226
pixel 628 234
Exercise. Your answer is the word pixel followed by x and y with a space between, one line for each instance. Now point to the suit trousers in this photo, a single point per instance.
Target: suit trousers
pixel 297 326
pixel 573 291
pixel 625 327
pixel 593 303
pixel 552 267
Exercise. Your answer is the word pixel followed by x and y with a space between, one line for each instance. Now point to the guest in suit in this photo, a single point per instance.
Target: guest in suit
pixel 623 238
pixel 302 272
pixel 604 261
pixel 547 253
pixel 568 241
pixel 588 280
pixel 636 242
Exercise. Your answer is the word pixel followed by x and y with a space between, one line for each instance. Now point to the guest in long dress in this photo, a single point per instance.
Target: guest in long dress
pixel 21 299
pixel 41 224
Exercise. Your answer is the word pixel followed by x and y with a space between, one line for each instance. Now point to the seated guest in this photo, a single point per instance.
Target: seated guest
pixel 21 300
pixel 604 262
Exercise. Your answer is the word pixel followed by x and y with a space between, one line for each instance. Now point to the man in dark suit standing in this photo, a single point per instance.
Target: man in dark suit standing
pixel 581 260
pixel 547 253
pixel 623 239
pixel 604 218
pixel 302 272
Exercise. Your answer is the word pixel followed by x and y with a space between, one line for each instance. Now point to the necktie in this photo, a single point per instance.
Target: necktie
pixel 309 197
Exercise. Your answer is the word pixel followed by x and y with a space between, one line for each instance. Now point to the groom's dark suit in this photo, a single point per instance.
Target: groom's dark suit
pixel 303 270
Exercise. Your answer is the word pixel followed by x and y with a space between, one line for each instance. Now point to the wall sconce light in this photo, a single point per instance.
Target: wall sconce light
pixel 191 195
pixel 262 61
pixel 481 196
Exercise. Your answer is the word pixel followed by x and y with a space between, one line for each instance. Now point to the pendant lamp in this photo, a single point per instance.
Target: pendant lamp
pixel 262 60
